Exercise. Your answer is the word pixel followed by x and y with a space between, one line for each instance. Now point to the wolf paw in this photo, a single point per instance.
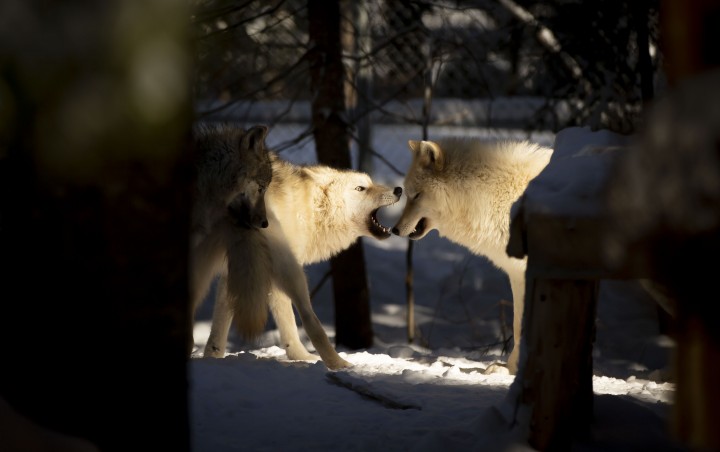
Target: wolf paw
pixel 212 351
pixel 496 368
pixel 337 364
pixel 302 356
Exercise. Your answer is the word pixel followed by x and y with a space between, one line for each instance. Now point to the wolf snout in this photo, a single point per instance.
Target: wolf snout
pixel 397 191
pixel 396 231
pixel 258 221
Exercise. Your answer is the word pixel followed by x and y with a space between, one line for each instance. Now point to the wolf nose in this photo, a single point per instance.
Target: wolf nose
pixel 397 191
pixel 396 231
pixel 264 224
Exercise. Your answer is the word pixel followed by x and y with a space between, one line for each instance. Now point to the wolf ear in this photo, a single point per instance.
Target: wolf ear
pixel 254 139
pixel 320 174
pixel 427 153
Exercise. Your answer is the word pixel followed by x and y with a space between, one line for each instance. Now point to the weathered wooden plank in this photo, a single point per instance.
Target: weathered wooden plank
pixel 575 248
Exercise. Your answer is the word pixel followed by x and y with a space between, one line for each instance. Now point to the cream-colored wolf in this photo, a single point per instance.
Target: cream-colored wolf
pixel 313 213
pixel 465 188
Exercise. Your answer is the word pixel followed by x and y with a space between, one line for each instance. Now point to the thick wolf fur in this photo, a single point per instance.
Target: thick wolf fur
pixel 465 189
pixel 233 172
pixel 314 212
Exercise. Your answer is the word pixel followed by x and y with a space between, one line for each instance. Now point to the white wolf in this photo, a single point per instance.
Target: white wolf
pixel 313 212
pixel 465 188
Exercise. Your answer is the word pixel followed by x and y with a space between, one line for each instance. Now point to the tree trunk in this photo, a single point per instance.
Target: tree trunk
pixel 353 328
pixel 641 16
pixel 94 209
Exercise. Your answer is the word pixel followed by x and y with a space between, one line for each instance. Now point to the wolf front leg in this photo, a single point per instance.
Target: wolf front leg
pixel 206 259
pixel 294 283
pixel 317 335
pixel 282 312
pixel 221 320
pixel 517 285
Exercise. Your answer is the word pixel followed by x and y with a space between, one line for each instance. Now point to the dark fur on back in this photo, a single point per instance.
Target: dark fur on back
pixel 226 153
pixel 233 169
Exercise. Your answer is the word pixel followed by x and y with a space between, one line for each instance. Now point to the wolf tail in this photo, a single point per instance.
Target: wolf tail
pixel 248 282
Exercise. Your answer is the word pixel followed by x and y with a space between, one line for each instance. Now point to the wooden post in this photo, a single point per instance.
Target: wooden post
pixel 565 264
pixel 560 331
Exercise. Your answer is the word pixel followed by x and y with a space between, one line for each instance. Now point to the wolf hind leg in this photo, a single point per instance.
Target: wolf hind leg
pixel 282 312
pixel 207 260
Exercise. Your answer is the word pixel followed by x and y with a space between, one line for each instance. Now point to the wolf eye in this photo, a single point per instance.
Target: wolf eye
pixel 417 195
pixel 360 188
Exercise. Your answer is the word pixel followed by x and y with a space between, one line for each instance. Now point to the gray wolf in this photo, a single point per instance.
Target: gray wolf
pixel 465 188
pixel 233 171
pixel 313 213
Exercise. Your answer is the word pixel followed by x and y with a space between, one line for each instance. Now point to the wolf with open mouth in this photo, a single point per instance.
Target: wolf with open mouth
pixel 465 188
pixel 314 212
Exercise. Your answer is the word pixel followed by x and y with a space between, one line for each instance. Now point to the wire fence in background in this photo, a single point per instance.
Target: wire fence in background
pixel 528 65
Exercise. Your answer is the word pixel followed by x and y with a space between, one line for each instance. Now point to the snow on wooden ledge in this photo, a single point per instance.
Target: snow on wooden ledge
pixel 573 183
